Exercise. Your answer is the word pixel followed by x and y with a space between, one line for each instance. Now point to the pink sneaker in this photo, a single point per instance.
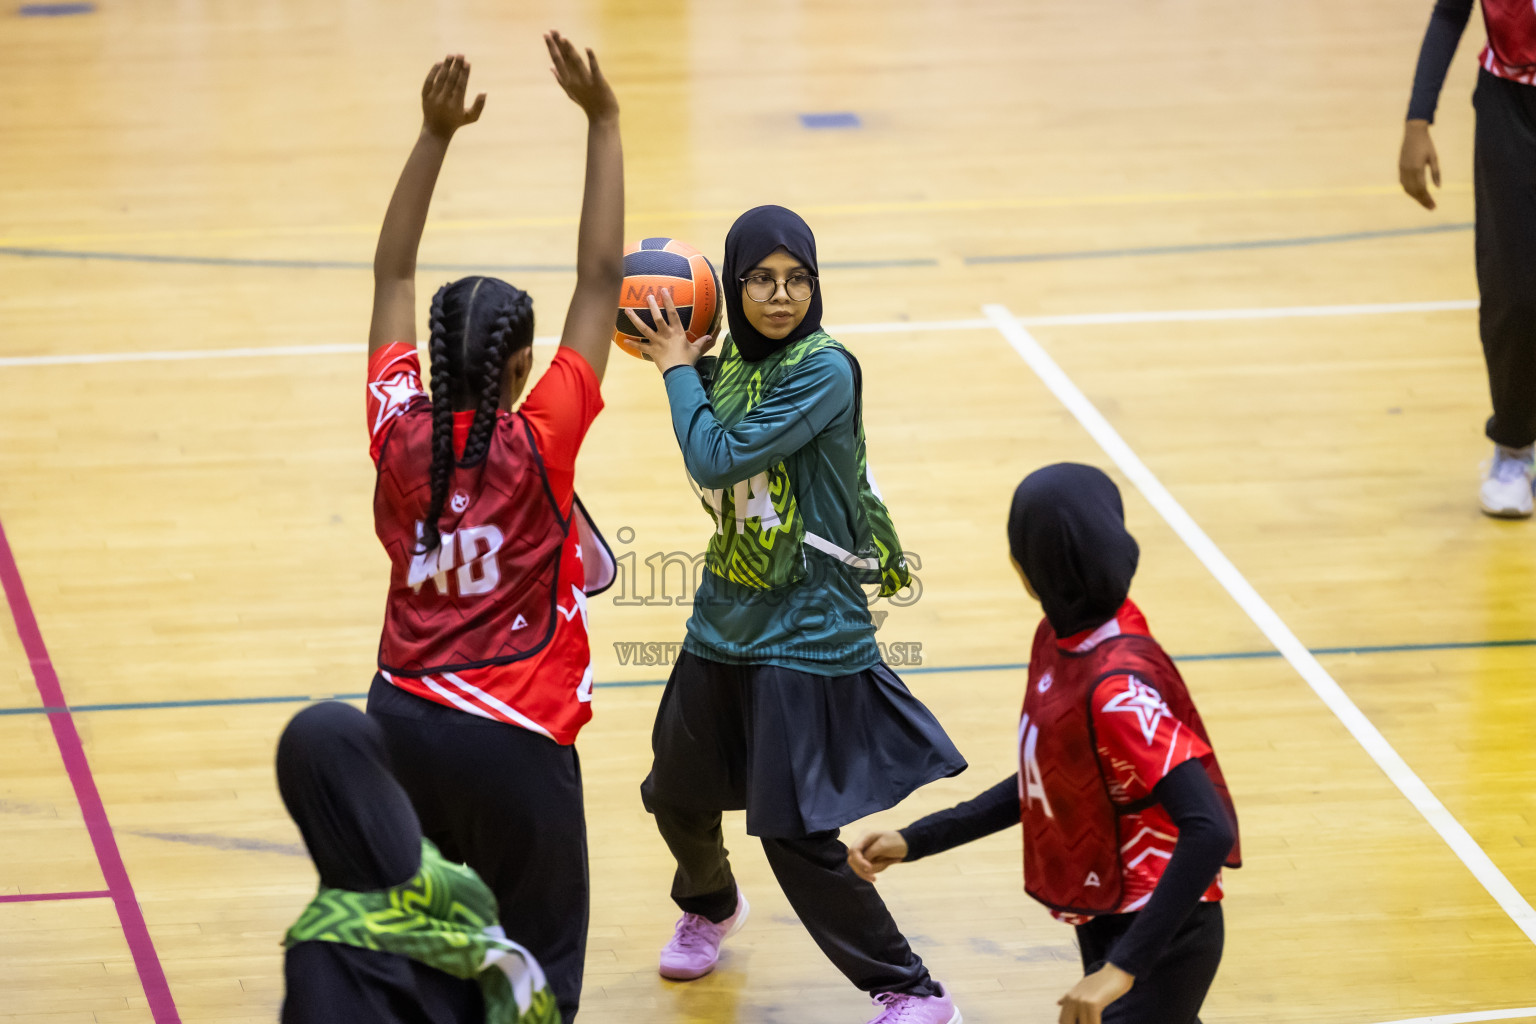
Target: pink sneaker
pixel 695 946
pixel 899 1008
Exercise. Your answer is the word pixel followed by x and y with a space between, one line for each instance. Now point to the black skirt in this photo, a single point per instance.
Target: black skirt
pixel 800 753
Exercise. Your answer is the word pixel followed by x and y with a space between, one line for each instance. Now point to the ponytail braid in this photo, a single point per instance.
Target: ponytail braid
pixel 479 440
pixel 442 422
pixel 499 345
pixel 476 324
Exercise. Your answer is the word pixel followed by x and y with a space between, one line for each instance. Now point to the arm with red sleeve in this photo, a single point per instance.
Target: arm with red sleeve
pixel 394 387
pixel 560 408
pixel 1150 753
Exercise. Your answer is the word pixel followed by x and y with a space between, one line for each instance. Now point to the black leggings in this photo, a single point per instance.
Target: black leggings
pixel 1171 993
pixel 507 802
pixel 843 913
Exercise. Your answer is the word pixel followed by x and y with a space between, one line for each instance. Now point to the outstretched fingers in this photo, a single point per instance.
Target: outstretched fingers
pixel 646 331
pixel 429 86
pixel 666 295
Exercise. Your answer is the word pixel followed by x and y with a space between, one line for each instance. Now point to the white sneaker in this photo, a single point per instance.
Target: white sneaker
pixel 1506 491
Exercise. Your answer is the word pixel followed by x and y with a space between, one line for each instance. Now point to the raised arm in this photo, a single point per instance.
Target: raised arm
pixel 394 260
pixel 588 327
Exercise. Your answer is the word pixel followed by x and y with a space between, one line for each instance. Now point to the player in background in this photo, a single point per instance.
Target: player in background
pixel 780 703
pixel 1127 820
pixel 485 675
pixel 1504 198
pixel 396 934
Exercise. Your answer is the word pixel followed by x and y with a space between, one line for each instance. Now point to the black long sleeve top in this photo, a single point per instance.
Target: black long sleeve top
pixel 1446 24
pixel 1205 839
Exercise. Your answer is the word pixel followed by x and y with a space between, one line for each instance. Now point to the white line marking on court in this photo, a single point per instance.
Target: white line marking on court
pixel 892 327
pixel 1269 623
pixel 909 327
pixel 1258 313
pixel 1470 1018
pixel 80 358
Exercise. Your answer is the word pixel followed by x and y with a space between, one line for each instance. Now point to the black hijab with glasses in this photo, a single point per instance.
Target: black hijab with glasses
pixel 756 234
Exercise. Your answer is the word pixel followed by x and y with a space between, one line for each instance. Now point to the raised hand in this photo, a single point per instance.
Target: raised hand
pixel 582 81
pixel 667 343
pixel 442 97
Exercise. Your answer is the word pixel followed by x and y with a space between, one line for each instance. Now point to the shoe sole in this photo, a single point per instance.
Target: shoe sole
pixel 686 975
pixel 741 918
pixel 1506 513
pixel 678 975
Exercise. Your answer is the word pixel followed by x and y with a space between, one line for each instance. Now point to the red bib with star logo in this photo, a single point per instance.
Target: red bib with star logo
pixel 493 621
pixel 487 593
pixel 1105 717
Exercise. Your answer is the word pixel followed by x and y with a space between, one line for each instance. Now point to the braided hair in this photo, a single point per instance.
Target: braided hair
pixel 476 324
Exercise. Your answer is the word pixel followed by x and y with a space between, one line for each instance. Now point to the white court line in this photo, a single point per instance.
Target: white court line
pixel 1269 623
pixel 1470 1018
pixel 892 327
pixel 1258 313
pixel 179 355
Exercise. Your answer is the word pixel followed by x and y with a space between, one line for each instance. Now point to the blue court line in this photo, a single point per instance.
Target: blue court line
pixel 892 264
pixel 1179 250
pixel 831 119
pixel 1010 666
pixel 55 10
pixel 217 842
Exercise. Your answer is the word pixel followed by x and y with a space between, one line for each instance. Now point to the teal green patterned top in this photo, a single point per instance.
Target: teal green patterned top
pixel 777 449
pixel 444 917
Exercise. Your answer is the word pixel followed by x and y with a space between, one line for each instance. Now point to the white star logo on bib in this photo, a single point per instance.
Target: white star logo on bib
pixel 1143 702
pixel 394 395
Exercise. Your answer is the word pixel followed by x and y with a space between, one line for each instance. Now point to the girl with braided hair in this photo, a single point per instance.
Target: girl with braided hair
pixel 484 671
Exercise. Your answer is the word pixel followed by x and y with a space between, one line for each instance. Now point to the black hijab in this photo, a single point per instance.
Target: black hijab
pixel 1066 529
pixel 333 773
pixel 755 234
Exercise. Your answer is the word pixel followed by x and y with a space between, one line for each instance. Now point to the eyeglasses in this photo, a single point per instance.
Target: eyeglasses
pixel 763 287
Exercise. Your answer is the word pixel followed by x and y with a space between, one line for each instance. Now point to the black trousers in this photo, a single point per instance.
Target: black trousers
pixel 1504 182
pixel 1171 993
pixel 843 913
pixel 507 802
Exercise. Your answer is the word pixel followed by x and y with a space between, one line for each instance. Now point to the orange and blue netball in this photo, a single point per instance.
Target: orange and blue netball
pixel 654 265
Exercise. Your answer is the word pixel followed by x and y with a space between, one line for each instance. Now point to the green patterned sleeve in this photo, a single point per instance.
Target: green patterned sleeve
pixel 811 397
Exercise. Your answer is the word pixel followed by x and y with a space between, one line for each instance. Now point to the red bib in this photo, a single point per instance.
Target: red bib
pixel 1073 846
pixel 486 595
pixel 1511 28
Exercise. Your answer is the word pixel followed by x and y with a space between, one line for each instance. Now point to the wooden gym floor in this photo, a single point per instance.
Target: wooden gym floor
pixel 1191 204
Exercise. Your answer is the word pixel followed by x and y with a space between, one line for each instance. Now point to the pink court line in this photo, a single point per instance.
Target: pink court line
pixel 151 976
pixel 30 897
